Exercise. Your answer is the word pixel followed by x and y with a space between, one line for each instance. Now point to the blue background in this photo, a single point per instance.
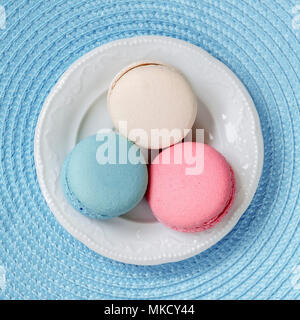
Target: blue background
pixel 259 41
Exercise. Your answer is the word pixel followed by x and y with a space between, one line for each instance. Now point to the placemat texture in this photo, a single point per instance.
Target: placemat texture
pixel 258 40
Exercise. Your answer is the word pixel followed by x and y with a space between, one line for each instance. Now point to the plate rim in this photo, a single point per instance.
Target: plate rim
pixel 83 237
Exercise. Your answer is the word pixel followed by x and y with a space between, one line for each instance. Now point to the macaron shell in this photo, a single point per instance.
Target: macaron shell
pixel 152 96
pixel 102 190
pixel 72 198
pixel 190 202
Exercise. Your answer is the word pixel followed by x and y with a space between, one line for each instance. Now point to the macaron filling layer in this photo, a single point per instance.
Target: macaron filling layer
pixel 130 68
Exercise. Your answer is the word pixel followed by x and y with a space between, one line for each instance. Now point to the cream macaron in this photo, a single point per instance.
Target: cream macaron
pixel 152 104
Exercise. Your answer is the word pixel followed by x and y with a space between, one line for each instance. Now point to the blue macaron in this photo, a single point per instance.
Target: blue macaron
pixel 104 176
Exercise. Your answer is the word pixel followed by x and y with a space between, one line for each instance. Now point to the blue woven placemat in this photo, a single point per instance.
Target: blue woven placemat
pixel 258 40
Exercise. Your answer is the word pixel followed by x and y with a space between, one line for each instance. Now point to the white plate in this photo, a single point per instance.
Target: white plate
pixel 76 108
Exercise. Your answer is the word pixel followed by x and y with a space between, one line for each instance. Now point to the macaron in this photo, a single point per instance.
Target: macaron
pixel 191 187
pixel 104 176
pixel 152 104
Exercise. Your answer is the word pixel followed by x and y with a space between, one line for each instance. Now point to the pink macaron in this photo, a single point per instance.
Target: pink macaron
pixel 191 187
